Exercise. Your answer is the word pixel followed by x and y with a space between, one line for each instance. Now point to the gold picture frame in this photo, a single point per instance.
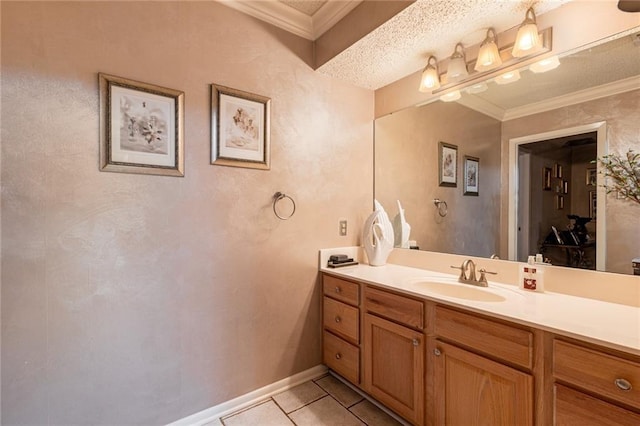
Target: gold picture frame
pixel 240 128
pixel 447 164
pixel 141 127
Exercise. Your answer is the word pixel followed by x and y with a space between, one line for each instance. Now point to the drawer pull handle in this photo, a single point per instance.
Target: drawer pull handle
pixel 437 352
pixel 338 319
pixel 338 289
pixel 338 355
pixel 623 384
pixel 416 342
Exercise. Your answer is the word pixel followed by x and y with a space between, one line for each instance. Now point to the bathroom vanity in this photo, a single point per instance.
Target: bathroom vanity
pixel 438 352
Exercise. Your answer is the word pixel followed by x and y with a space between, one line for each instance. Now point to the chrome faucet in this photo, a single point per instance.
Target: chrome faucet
pixel 468 274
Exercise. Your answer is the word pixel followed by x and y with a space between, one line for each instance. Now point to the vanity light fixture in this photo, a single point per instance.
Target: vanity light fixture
pixel 547 64
pixel 477 88
pixel 527 41
pixel 430 77
pixel 508 77
pixel 489 56
pixel 457 69
pixel 451 96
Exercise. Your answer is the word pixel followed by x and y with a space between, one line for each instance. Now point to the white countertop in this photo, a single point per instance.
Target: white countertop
pixel 608 324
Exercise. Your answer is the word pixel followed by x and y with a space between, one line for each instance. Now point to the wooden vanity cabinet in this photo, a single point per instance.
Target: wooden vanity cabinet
pixel 341 327
pixel 438 365
pixel 593 386
pixel 394 352
pixel 480 371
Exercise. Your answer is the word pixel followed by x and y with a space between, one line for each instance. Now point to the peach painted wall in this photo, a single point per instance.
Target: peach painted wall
pixel 406 169
pixel 143 299
pixel 622 115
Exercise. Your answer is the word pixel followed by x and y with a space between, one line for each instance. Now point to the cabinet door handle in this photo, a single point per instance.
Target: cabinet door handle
pixel 338 355
pixel 338 289
pixel 416 342
pixel 437 352
pixel 338 319
pixel 623 384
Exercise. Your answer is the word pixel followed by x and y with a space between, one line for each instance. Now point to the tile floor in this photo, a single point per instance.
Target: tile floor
pixel 324 401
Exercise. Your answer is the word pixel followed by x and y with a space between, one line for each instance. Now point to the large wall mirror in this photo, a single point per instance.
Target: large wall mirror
pixel 527 150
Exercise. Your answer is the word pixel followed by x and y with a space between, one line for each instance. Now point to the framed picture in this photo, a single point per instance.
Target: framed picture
pixel 448 164
pixel 239 128
pixel 557 171
pixel 592 176
pixel 593 199
pixel 546 178
pixel 471 175
pixel 565 186
pixel 559 202
pixel 141 127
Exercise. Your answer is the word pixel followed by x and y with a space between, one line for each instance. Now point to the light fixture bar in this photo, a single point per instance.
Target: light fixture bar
pixel 508 63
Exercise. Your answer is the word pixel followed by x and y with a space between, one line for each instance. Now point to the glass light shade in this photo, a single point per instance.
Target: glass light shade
pixel 527 41
pixel 477 88
pixel 508 77
pixel 489 56
pixel 545 65
pixel 430 79
pixel 451 96
pixel 457 69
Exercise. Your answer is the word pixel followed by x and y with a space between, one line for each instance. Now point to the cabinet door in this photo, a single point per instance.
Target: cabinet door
pixel 572 408
pixel 394 367
pixel 473 390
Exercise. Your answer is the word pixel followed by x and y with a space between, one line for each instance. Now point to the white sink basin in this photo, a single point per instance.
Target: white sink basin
pixel 462 291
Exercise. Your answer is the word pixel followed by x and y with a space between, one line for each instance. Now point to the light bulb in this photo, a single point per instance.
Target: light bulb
pixel 457 69
pixel 508 77
pixel 477 88
pixel 547 64
pixel 488 56
pixel 430 79
pixel 451 96
pixel 527 41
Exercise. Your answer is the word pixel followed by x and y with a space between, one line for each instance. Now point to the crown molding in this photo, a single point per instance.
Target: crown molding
pixel 292 20
pixel 330 14
pixel 593 93
pixel 609 89
pixel 482 106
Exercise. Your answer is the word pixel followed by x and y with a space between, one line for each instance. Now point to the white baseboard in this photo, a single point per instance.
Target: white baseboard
pixel 214 413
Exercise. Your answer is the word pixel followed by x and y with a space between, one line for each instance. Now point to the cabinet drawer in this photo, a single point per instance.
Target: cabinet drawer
pixel 577 409
pixel 339 289
pixel 604 374
pixel 489 337
pixel 406 311
pixel 341 319
pixel 342 357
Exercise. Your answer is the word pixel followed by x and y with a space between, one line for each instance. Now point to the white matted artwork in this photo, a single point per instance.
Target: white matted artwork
pixel 141 127
pixel 239 128
pixel 471 175
pixel 448 164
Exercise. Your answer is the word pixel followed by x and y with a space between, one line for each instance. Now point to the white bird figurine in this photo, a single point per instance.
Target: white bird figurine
pixel 401 229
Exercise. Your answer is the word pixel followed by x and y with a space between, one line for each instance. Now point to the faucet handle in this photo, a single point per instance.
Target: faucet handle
pixel 462 276
pixel 483 278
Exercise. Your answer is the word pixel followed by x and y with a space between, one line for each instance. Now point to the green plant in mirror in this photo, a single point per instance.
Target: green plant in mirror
pixel 623 174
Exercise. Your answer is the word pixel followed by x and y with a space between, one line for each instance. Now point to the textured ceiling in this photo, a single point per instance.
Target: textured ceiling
pixel 308 7
pixel 401 46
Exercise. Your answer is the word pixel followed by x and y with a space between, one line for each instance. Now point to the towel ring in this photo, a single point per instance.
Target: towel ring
pixel 278 196
pixel 441 206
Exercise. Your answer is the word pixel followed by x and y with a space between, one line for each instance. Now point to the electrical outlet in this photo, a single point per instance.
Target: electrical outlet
pixel 343 227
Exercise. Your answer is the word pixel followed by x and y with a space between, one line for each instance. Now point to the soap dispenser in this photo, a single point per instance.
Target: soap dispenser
pixel 531 276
